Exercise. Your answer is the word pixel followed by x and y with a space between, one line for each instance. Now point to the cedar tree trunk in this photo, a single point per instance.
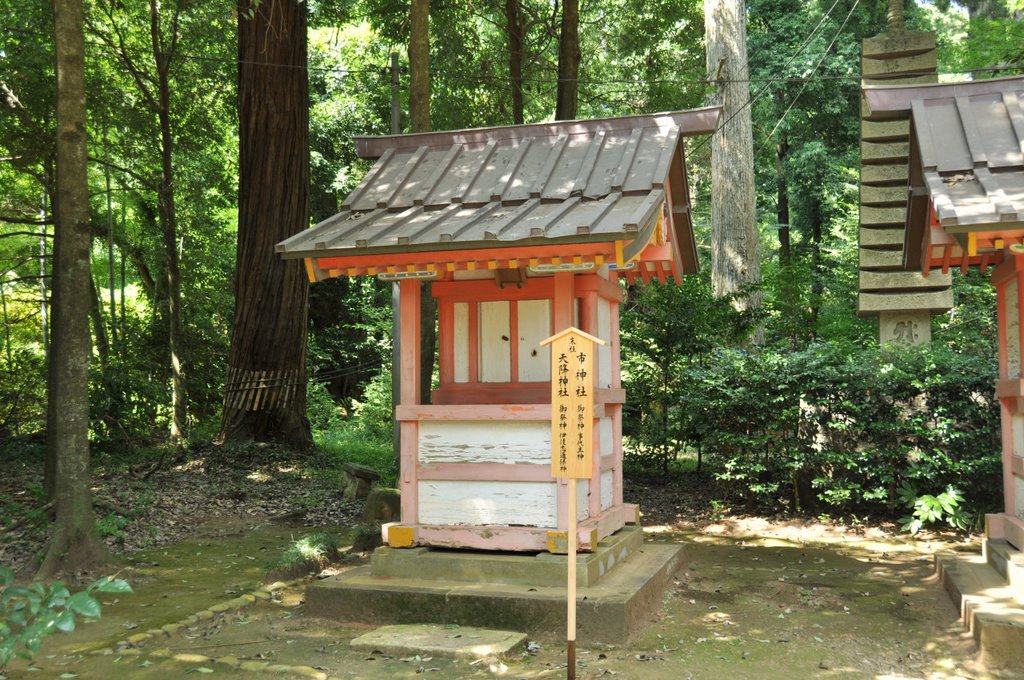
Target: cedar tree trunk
pixel 265 394
pixel 75 544
pixel 568 61
pixel 735 258
pixel 514 28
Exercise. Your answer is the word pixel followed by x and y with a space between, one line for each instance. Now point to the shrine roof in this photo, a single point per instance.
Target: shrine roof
pixel 966 157
pixel 540 184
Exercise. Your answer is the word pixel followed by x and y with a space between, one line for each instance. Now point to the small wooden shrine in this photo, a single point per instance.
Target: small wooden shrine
pixel 523 231
pixel 966 209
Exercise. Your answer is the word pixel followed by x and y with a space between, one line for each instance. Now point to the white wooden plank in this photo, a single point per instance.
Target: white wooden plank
pixel 534 326
pixel 582 499
pixel 459 503
pixel 485 441
pixel 604 353
pixel 495 344
pixel 604 428
pixel 461 359
pixel 606 489
pixel 1012 330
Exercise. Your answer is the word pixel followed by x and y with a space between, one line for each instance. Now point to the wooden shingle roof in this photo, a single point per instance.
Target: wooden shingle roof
pixel 966 170
pixel 569 182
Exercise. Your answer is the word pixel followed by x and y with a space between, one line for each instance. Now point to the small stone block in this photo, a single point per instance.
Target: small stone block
pixel 558 542
pixel 255 666
pixel 884 174
pixel 192 658
pixel 204 615
pixel 465 642
pixel 884 131
pixel 132 652
pixel 138 638
pixel 221 607
pixel 261 595
pixel 171 628
pixel 401 537
pixel 190 620
pixel 249 598
pixel 232 661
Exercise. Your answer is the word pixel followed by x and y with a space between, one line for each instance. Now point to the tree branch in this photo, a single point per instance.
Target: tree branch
pixel 10 219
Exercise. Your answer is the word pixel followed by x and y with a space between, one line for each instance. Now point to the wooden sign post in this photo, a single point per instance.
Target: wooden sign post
pixel 572 441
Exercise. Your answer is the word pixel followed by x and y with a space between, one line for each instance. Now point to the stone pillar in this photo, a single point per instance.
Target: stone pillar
pixel 1009 281
pixel 903 301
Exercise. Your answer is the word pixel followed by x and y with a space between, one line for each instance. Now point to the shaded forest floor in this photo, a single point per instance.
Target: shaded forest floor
pixel 207 483
pixel 760 597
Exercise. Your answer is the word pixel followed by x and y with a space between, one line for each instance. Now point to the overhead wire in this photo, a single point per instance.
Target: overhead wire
pixel 813 71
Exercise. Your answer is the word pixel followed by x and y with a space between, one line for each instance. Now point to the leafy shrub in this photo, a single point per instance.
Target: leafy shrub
pixel 30 613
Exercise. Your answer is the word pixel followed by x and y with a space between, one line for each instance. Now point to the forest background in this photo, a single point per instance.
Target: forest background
pixel 815 418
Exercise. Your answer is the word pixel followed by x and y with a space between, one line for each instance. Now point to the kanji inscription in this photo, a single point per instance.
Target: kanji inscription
pixel 572 404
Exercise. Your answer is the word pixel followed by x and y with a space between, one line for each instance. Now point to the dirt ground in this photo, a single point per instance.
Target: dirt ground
pixel 756 599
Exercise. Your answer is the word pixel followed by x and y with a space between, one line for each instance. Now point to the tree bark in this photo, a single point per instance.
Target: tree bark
pixel 99 327
pixel 735 257
pixel 419 65
pixel 514 29
pixel 265 394
pixel 162 55
pixel 75 544
pixel 894 16
pixel 568 62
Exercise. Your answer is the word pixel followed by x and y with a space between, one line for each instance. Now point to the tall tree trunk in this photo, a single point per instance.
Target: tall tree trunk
pixel 568 61
pixel 782 194
pixel 734 251
pixel 419 114
pixel 99 327
pixel 265 394
pixel 419 65
pixel 514 29
pixel 110 260
pixel 75 544
pixel 162 55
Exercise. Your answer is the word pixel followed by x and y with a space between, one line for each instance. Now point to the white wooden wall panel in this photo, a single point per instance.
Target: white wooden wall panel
pixel 461 317
pixel 1018 485
pixel 1013 347
pixel 604 427
pixel 495 344
pixel 460 503
pixel 606 489
pixel 482 441
pixel 604 353
pixel 534 326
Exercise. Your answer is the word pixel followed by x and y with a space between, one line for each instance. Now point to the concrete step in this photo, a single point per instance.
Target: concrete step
pixel 988 607
pixel 1008 562
pixel 618 605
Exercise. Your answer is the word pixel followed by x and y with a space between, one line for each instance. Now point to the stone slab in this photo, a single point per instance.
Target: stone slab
pixel 893 237
pixel 874 216
pixel 461 642
pixel 881 259
pixel 893 281
pixel 884 152
pixel 546 569
pixel 905 328
pixel 884 130
pixel 988 608
pixel 891 196
pixel 913 64
pixel 1008 563
pixel 884 174
pixel 898 44
pixel 934 301
pixel 607 612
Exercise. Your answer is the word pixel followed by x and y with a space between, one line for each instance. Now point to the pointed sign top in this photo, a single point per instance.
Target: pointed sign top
pixel 575 331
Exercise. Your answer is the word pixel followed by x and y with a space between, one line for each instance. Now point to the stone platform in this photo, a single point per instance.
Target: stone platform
pixel 989 590
pixel 618 586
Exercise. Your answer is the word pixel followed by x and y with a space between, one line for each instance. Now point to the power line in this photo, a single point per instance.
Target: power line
pixel 813 71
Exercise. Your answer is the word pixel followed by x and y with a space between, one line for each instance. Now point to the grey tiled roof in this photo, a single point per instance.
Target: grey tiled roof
pixel 966 153
pixel 563 182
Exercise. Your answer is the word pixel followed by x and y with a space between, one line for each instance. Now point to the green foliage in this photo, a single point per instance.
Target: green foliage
pixel 312 551
pixel 927 509
pixel 30 613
